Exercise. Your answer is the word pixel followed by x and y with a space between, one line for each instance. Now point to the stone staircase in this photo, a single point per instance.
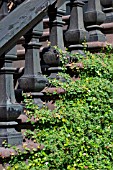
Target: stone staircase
pixel 26 56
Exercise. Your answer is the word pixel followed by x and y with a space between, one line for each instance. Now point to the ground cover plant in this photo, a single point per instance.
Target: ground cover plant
pixel 78 133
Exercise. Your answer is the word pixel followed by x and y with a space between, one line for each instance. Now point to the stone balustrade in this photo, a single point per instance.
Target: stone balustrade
pixel 68 26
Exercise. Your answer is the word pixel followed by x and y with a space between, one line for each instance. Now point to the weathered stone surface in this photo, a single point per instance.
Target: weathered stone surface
pixel 93 17
pixel 9 108
pixel 76 34
pixel 50 56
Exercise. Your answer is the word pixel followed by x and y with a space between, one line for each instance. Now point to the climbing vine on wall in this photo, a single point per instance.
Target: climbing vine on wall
pixel 78 133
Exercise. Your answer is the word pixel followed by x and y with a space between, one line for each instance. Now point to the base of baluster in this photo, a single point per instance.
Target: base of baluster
pixel 109 14
pixel 96 33
pixel 78 48
pixel 54 73
pixel 37 98
pixel 32 83
pixel 9 134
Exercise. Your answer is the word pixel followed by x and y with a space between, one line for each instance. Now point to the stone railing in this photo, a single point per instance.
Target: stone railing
pixel 25 20
pixel 66 24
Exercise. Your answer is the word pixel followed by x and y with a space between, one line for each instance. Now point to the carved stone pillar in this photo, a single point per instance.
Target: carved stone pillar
pixel 32 80
pixel 93 17
pixel 9 109
pixel 56 26
pixel 76 34
pixel 108 9
pixel 50 56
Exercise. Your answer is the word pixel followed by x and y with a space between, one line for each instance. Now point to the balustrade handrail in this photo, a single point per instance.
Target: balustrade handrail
pixel 20 21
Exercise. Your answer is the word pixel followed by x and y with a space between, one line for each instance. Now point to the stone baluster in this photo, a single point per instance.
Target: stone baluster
pixel 76 34
pixel 56 25
pixel 9 109
pixel 32 80
pixel 50 57
pixel 108 10
pixel 93 17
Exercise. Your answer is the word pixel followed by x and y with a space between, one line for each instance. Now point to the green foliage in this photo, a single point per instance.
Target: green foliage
pixel 78 133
